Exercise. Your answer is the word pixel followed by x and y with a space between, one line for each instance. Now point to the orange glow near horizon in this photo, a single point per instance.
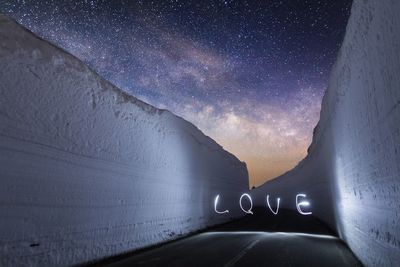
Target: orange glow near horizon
pixel 271 143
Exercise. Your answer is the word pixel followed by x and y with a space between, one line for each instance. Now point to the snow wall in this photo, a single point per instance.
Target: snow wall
pixel 88 171
pixel 352 172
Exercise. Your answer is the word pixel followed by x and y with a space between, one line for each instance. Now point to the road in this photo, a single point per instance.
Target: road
pixel 285 240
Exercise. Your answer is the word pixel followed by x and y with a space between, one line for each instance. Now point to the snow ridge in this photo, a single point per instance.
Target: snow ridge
pixel 88 171
pixel 351 173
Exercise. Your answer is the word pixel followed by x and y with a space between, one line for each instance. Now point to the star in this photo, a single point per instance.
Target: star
pixel 250 74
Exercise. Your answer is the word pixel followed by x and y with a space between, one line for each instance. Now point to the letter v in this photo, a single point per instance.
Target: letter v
pixel 277 206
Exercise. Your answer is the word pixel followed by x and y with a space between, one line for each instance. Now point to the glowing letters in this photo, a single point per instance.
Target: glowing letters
pixel 302 203
pixel 251 203
pixel 277 205
pixel 215 206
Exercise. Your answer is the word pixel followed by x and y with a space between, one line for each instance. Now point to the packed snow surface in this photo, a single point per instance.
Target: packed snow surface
pixel 88 171
pixel 352 172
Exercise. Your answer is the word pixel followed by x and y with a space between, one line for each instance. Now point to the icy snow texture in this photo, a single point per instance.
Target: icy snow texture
pixel 88 171
pixel 352 171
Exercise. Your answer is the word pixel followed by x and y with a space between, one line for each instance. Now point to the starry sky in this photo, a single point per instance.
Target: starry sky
pixel 250 74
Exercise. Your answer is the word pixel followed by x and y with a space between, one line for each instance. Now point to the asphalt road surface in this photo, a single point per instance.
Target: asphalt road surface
pixel 267 240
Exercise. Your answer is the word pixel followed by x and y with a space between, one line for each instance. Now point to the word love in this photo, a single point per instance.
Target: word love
pixel 300 204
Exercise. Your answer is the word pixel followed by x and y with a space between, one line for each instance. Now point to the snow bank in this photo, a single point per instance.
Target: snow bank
pixel 352 171
pixel 88 171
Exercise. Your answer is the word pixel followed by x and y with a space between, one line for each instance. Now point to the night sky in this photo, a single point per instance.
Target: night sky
pixel 250 74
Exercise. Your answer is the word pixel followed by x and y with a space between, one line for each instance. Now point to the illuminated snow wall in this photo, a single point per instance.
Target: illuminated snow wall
pixel 88 171
pixel 352 172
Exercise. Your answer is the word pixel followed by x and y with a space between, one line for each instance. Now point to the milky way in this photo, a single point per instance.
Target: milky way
pixel 250 74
